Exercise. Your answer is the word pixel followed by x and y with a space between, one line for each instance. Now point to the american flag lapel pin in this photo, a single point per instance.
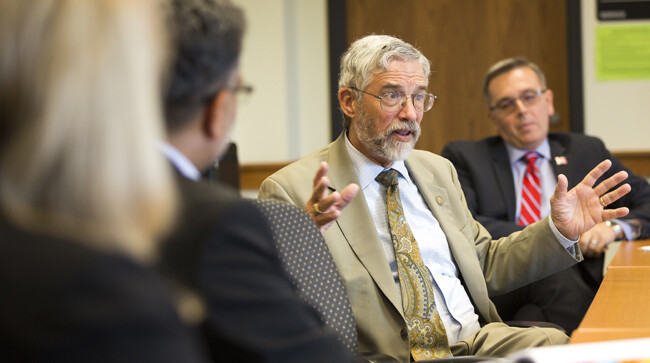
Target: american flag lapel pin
pixel 560 160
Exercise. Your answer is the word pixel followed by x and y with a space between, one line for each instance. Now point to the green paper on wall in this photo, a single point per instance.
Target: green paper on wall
pixel 622 52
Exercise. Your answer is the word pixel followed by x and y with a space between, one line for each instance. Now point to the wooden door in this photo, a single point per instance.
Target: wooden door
pixel 462 39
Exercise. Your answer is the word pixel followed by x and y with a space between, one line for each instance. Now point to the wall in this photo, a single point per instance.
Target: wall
pixel 616 111
pixel 285 59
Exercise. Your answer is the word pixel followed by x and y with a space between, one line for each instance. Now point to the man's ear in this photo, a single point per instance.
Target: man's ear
pixel 215 115
pixel 348 102
pixel 549 101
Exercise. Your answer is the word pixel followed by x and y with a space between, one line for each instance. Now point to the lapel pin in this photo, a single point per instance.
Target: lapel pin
pixel 560 160
pixel 440 199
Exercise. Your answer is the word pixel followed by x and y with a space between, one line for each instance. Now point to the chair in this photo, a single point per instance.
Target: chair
pixel 308 262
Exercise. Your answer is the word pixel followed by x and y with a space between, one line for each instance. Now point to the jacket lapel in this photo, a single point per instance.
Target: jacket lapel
pixel 559 161
pixel 503 172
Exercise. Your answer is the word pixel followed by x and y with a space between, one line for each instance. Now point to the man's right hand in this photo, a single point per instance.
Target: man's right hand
pixel 324 208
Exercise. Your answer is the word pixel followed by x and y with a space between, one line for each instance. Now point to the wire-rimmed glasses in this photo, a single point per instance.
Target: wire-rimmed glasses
pixel 395 101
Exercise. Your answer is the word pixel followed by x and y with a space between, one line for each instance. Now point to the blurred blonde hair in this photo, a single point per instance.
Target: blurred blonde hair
pixel 79 99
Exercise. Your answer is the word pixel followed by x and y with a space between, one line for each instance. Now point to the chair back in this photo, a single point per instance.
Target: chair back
pixel 309 264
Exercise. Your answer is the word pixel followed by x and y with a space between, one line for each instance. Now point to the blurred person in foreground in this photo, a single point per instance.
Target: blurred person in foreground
pixel 83 192
pixel 492 172
pixel 417 267
pixel 222 248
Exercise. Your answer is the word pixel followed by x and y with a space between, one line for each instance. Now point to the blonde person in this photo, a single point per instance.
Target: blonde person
pixel 83 191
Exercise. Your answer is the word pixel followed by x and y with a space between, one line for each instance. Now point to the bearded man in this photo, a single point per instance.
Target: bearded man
pixel 417 267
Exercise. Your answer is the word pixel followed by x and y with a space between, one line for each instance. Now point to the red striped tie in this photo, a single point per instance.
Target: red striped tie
pixel 531 196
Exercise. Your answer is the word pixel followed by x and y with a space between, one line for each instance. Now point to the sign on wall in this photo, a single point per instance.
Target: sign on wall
pixel 623 9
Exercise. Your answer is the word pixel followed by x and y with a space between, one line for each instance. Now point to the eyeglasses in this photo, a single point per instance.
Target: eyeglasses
pixel 242 89
pixel 395 101
pixel 509 105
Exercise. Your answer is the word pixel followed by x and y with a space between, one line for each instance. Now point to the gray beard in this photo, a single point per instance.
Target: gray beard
pixel 383 146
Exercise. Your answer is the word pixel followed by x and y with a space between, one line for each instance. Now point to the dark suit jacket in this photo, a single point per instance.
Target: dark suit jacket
pixel 486 177
pixel 64 302
pixel 224 249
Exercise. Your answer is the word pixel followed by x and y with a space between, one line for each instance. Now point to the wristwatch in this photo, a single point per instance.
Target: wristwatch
pixel 618 230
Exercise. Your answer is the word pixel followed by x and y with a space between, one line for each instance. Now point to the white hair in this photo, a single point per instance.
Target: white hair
pixel 372 54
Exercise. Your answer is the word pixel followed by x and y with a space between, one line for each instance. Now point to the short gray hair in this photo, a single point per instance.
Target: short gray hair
pixel 370 55
pixel 506 65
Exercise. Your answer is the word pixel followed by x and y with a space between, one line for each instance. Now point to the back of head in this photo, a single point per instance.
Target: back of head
pixel 79 95
pixel 372 54
pixel 207 36
pixel 506 65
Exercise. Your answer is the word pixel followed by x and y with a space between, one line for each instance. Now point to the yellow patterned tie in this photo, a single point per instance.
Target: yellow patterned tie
pixel 427 334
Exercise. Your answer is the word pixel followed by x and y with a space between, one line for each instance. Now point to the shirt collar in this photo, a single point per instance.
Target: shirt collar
pixel 367 170
pixel 180 161
pixel 514 154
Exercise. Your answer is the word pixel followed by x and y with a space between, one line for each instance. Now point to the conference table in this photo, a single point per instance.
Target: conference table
pixel 621 308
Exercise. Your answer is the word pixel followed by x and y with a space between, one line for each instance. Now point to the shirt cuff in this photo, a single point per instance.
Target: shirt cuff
pixel 567 243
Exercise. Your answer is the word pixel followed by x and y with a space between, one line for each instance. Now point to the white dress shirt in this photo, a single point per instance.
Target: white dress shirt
pixel 180 161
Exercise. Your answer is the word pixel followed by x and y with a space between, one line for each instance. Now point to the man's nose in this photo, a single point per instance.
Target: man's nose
pixel 521 108
pixel 408 110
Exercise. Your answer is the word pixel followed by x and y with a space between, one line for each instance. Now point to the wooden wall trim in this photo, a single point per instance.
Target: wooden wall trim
pixel 252 175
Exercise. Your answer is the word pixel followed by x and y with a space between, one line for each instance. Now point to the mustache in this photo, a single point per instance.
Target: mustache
pixel 411 126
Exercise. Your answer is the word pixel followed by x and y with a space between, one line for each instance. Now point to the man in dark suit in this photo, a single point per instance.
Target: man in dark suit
pixel 221 253
pixel 491 173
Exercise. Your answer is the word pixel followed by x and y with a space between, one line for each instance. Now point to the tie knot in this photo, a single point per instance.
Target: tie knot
pixel 530 157
pixel 387 177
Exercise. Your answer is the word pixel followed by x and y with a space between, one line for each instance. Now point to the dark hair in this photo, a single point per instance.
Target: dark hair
pixel 506 65
pixel 207 38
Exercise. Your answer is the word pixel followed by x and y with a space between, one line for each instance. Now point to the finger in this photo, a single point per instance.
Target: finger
pixel 326 203
pixel 615 195
pixel 561 186
pixel 597 172
pixel 319 192
pixel 597 248
pixel 321 172
pixel 347 195
pixel 614 213
pixel 326 219
pixel 610 182
pixel 591 248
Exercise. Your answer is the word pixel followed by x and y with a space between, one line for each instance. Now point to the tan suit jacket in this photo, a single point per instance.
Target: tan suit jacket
pixel 485 266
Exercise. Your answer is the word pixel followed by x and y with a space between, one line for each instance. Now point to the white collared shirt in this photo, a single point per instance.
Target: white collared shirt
pixel 547 175
pixel 180 161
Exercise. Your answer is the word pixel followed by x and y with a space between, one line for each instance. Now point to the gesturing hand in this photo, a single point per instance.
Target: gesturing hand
pixel 324 208
pixel 581 208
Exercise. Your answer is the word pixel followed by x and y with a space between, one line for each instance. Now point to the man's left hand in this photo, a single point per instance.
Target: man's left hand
pixel 580 209
pixel 594 242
